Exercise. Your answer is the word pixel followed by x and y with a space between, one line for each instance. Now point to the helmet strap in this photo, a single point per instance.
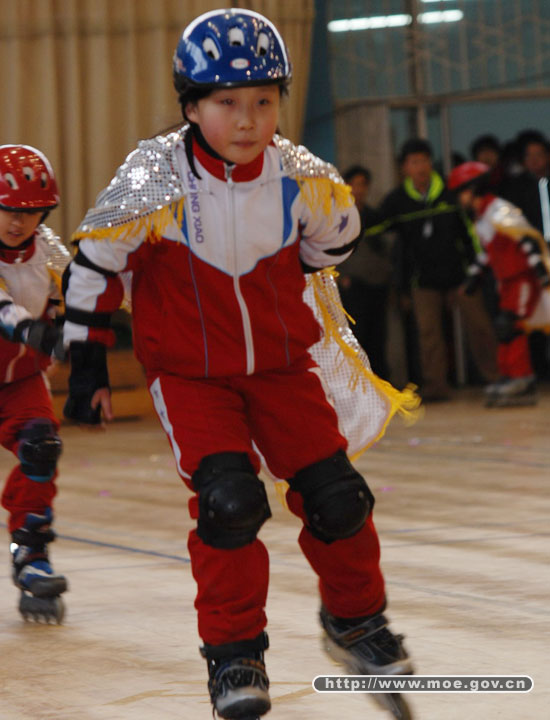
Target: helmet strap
pixel 201 140
pixel 194 133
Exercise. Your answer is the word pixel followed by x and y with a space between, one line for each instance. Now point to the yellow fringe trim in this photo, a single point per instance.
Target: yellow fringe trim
pixel 406 402
pixel 153 224
pixel 281 486
pixel 518 231
pixel 322 192
pixel 56 277
pixel 316 192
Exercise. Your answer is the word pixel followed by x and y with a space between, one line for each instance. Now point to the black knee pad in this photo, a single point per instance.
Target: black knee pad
pixel 337 499
pixel 233 504
pixel 39 449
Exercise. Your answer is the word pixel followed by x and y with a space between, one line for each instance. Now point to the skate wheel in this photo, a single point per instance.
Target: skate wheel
pixel 42 609
pixel 59 607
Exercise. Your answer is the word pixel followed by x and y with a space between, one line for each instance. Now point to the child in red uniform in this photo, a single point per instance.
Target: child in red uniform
pixel 31 261
pixel 217 223
pixel 517 255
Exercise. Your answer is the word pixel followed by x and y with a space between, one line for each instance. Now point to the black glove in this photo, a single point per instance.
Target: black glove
pixel 88 374
pixel 41 336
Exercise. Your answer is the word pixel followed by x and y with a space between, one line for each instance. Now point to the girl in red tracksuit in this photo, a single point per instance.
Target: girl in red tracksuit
pixel 216 224
pixel 31 261
pixel 518 258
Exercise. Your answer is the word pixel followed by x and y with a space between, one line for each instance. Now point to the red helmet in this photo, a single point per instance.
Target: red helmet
pixel 466 175
pixel 27 181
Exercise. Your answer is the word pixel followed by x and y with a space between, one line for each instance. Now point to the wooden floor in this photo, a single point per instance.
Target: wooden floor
pixel 463 514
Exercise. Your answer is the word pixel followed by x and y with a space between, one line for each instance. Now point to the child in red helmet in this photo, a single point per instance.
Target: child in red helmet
pixel 31 261
pixel 217 223
pixel 517 255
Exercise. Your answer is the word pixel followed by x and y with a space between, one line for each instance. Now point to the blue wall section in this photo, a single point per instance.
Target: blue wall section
pixel 503 119
pixel 468 120
pixel 319 122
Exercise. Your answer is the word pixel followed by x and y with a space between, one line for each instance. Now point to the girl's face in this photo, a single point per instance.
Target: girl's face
pixel 238 123
pixel 16 227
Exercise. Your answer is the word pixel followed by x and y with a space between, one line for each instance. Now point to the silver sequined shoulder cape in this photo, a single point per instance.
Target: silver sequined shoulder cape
pixel 57 255
pixel 148 180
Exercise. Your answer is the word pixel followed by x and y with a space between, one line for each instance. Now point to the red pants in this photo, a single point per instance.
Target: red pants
pixel 520 296
pixel 286 415
pixel 21 401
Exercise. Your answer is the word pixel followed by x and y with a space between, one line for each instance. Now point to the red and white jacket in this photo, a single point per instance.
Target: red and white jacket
pixel 502 228
pixel 216 277
pixel 30 288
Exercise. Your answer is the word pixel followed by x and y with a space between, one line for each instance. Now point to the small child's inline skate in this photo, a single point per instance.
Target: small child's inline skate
pixel 33 574
pixel 511 392
pixel 238 683
pixel 365 646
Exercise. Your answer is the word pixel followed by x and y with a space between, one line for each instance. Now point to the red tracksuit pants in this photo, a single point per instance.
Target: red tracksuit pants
pixel 21 401
pixel 520 296
pixel 285 414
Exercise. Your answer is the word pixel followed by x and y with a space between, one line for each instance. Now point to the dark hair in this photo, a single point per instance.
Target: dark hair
pixel 457 159
pixel 354 170
pixel 484 142
pixel 188 93
pixel 191 93
pixel 480 186
pixel 530 137
pixel 414 145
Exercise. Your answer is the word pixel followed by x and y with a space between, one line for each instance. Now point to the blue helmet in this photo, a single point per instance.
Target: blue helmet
pixel 231 48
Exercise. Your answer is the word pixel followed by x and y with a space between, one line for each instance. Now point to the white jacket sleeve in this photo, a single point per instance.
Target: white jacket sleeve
pixel 11 314
pixel 93 290
pixel 334 230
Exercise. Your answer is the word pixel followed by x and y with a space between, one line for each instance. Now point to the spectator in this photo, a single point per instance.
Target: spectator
pixel 529 191
pixel 364 278
pixel 433 247
pixel 510 158
pixel 486 149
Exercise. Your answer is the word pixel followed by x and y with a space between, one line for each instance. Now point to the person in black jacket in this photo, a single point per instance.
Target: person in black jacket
pixel 529 189
pixel 433 247
pixel 530 192
pixel 364 278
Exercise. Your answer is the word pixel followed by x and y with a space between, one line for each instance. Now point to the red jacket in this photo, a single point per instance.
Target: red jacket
pixel 216 285
pixel 500 227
